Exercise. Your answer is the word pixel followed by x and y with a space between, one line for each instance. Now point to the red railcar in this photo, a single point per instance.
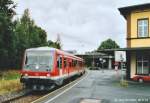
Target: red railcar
pixel 45 67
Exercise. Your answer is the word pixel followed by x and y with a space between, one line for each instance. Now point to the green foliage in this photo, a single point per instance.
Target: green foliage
pixel 18 35
pixel 54 44
pixel 9 75
pixel 6 33
pixel 27 35
pixel 124 83
pixel 108 44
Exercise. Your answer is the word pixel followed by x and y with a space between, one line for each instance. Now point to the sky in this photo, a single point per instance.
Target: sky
pixel 81 24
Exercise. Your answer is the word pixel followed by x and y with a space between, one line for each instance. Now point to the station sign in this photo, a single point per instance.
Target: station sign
pixel 120 56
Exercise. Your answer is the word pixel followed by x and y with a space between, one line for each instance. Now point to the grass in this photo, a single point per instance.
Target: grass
pixel 7 86
pixel 9 75
pixel 9 81
pixel 124 83
pixel 121 83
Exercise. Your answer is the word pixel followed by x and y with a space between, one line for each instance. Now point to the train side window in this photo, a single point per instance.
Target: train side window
pixel 26 60
pixel 59 62
pixel 77 63
pixel 65 62
pixel 80 63
pixel 69 64
pixel 74 63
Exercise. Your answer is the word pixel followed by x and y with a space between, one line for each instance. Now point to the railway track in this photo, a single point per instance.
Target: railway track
pixel 39 97
pixel 53 95
pixel 27 98
pixel 14 95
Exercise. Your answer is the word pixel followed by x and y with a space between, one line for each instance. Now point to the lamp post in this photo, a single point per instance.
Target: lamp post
pixel 102 61
pixel 93 61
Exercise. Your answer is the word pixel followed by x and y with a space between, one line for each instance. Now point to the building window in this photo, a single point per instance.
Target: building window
pixel 143 28
pixel 142 64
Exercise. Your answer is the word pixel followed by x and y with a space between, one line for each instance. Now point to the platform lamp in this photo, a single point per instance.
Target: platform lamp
pixel 102 61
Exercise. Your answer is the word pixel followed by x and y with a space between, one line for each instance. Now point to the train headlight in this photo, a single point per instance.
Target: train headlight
pixel 26 75
pixel 48 75
pixel 36 67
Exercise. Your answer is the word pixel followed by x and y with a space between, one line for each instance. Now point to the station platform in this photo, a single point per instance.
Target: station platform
pixel 103 87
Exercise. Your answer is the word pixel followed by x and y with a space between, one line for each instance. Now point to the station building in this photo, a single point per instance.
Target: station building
pixel 93 60
pixel 138 39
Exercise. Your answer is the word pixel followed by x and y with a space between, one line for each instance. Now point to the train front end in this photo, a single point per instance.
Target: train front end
pixel 37 69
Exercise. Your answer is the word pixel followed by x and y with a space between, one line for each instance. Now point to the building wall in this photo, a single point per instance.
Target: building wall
pixel 133 64
pixel 132 38
pixel 128 30
pixel 140 43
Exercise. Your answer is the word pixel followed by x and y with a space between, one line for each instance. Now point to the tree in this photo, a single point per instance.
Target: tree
pixel 27 35
pixel 56 44
pixel 6 33
pixel 108 44
pixel 18 35
pixel 53 44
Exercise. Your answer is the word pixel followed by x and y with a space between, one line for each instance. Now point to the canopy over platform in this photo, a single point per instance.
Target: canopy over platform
pixel 108 51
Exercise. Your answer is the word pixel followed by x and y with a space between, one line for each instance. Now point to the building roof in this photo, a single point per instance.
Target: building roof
pixel 125 10
pixel 95 55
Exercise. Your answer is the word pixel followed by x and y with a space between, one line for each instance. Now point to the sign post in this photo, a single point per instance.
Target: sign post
pixel 120 56
pixel 102 62
pixel 122 68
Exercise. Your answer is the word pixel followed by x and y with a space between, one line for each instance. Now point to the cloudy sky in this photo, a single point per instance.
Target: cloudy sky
pixel 81 24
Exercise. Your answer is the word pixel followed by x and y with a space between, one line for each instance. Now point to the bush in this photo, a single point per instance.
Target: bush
pixel 9 75
pixel 7 86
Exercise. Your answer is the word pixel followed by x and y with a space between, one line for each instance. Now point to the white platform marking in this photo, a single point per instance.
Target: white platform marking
pixel 65 90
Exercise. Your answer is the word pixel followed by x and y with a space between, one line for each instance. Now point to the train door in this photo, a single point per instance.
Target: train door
pixel 76 65
pixel 65 65
pixel 73 64
pixel 70 65
pixel 59 64
pixel 63 69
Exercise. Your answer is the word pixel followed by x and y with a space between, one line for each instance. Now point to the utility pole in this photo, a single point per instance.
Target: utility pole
pixel 93 60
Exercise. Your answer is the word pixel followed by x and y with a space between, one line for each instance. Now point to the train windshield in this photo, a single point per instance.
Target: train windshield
pixel 39 61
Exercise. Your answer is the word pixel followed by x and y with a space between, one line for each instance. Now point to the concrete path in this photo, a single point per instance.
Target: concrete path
pixel 99 87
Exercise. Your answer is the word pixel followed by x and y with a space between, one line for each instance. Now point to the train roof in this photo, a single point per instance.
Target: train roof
pixel 53 49
pixel 41 49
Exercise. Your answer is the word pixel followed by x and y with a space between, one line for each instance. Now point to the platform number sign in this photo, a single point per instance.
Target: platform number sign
pixel 120 56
